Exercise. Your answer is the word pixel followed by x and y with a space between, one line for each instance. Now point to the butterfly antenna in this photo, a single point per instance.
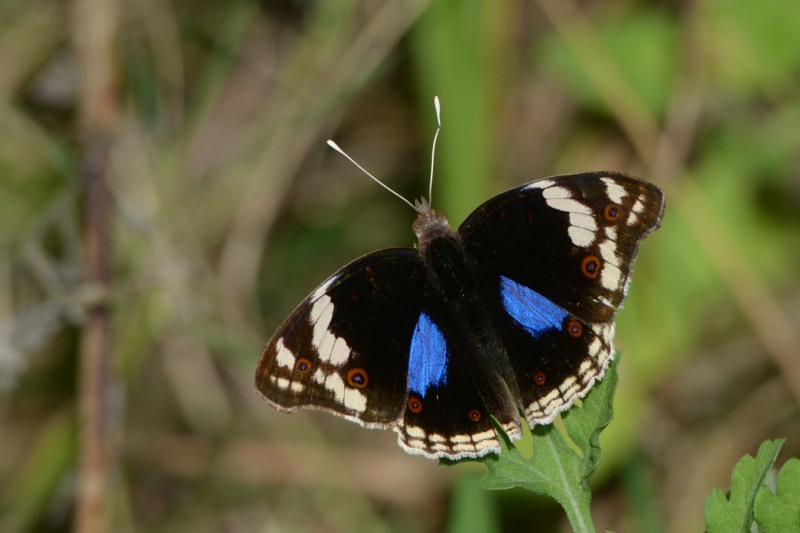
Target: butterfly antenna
pixel 433 149
pixel 362 169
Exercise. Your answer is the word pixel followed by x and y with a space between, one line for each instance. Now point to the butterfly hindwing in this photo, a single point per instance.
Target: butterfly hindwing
pixel 572 238
pixel 555 357
pixel 345 348
pixel 451 391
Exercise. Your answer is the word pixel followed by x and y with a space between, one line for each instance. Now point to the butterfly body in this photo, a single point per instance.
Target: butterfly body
pixel 511 314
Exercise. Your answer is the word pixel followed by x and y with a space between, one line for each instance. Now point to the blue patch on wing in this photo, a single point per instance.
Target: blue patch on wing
pixel 533 311
pixel 428 359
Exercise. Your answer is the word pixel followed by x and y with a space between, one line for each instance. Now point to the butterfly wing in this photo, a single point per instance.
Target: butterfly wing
pixel 451 392
pixel 572 238
pixel 553 261
pixel 554 356
pixel 345 348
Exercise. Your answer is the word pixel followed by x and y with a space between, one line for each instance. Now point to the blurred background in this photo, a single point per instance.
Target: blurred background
pixel 167 198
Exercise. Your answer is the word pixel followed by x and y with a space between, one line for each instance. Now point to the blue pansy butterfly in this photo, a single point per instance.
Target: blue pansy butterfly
pixel 511 316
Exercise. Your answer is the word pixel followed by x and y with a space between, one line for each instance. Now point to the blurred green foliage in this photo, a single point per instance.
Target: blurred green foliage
pixel 229 208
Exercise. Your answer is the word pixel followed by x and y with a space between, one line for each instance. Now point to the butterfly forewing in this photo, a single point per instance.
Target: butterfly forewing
pixel 345 349
pixel 572 239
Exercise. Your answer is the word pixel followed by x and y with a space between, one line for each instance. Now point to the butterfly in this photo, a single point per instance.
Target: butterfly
pixel 511 316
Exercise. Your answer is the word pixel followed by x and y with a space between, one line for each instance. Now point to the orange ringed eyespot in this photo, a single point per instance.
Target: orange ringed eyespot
pixel 474 415
pixel 414 405
pixel 574 328
pixel 303 365
pixel 590 266
pixel 539 378
pixel 611 212
pixel 357 378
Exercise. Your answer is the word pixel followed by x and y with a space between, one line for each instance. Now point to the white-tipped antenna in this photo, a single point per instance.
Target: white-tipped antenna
pixel 433 149
pixel 362 169
pixel 433 155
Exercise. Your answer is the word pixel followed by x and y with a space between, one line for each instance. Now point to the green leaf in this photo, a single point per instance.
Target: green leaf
pixel 584 424
pixel 779 511
pixel 734 513
pixel 556 469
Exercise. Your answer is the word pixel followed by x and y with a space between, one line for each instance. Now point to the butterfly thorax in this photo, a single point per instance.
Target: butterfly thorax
pixel 430 224
pixel 441 248
pixel 451 274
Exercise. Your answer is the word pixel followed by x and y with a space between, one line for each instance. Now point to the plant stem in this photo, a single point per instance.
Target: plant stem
pixel 94 24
